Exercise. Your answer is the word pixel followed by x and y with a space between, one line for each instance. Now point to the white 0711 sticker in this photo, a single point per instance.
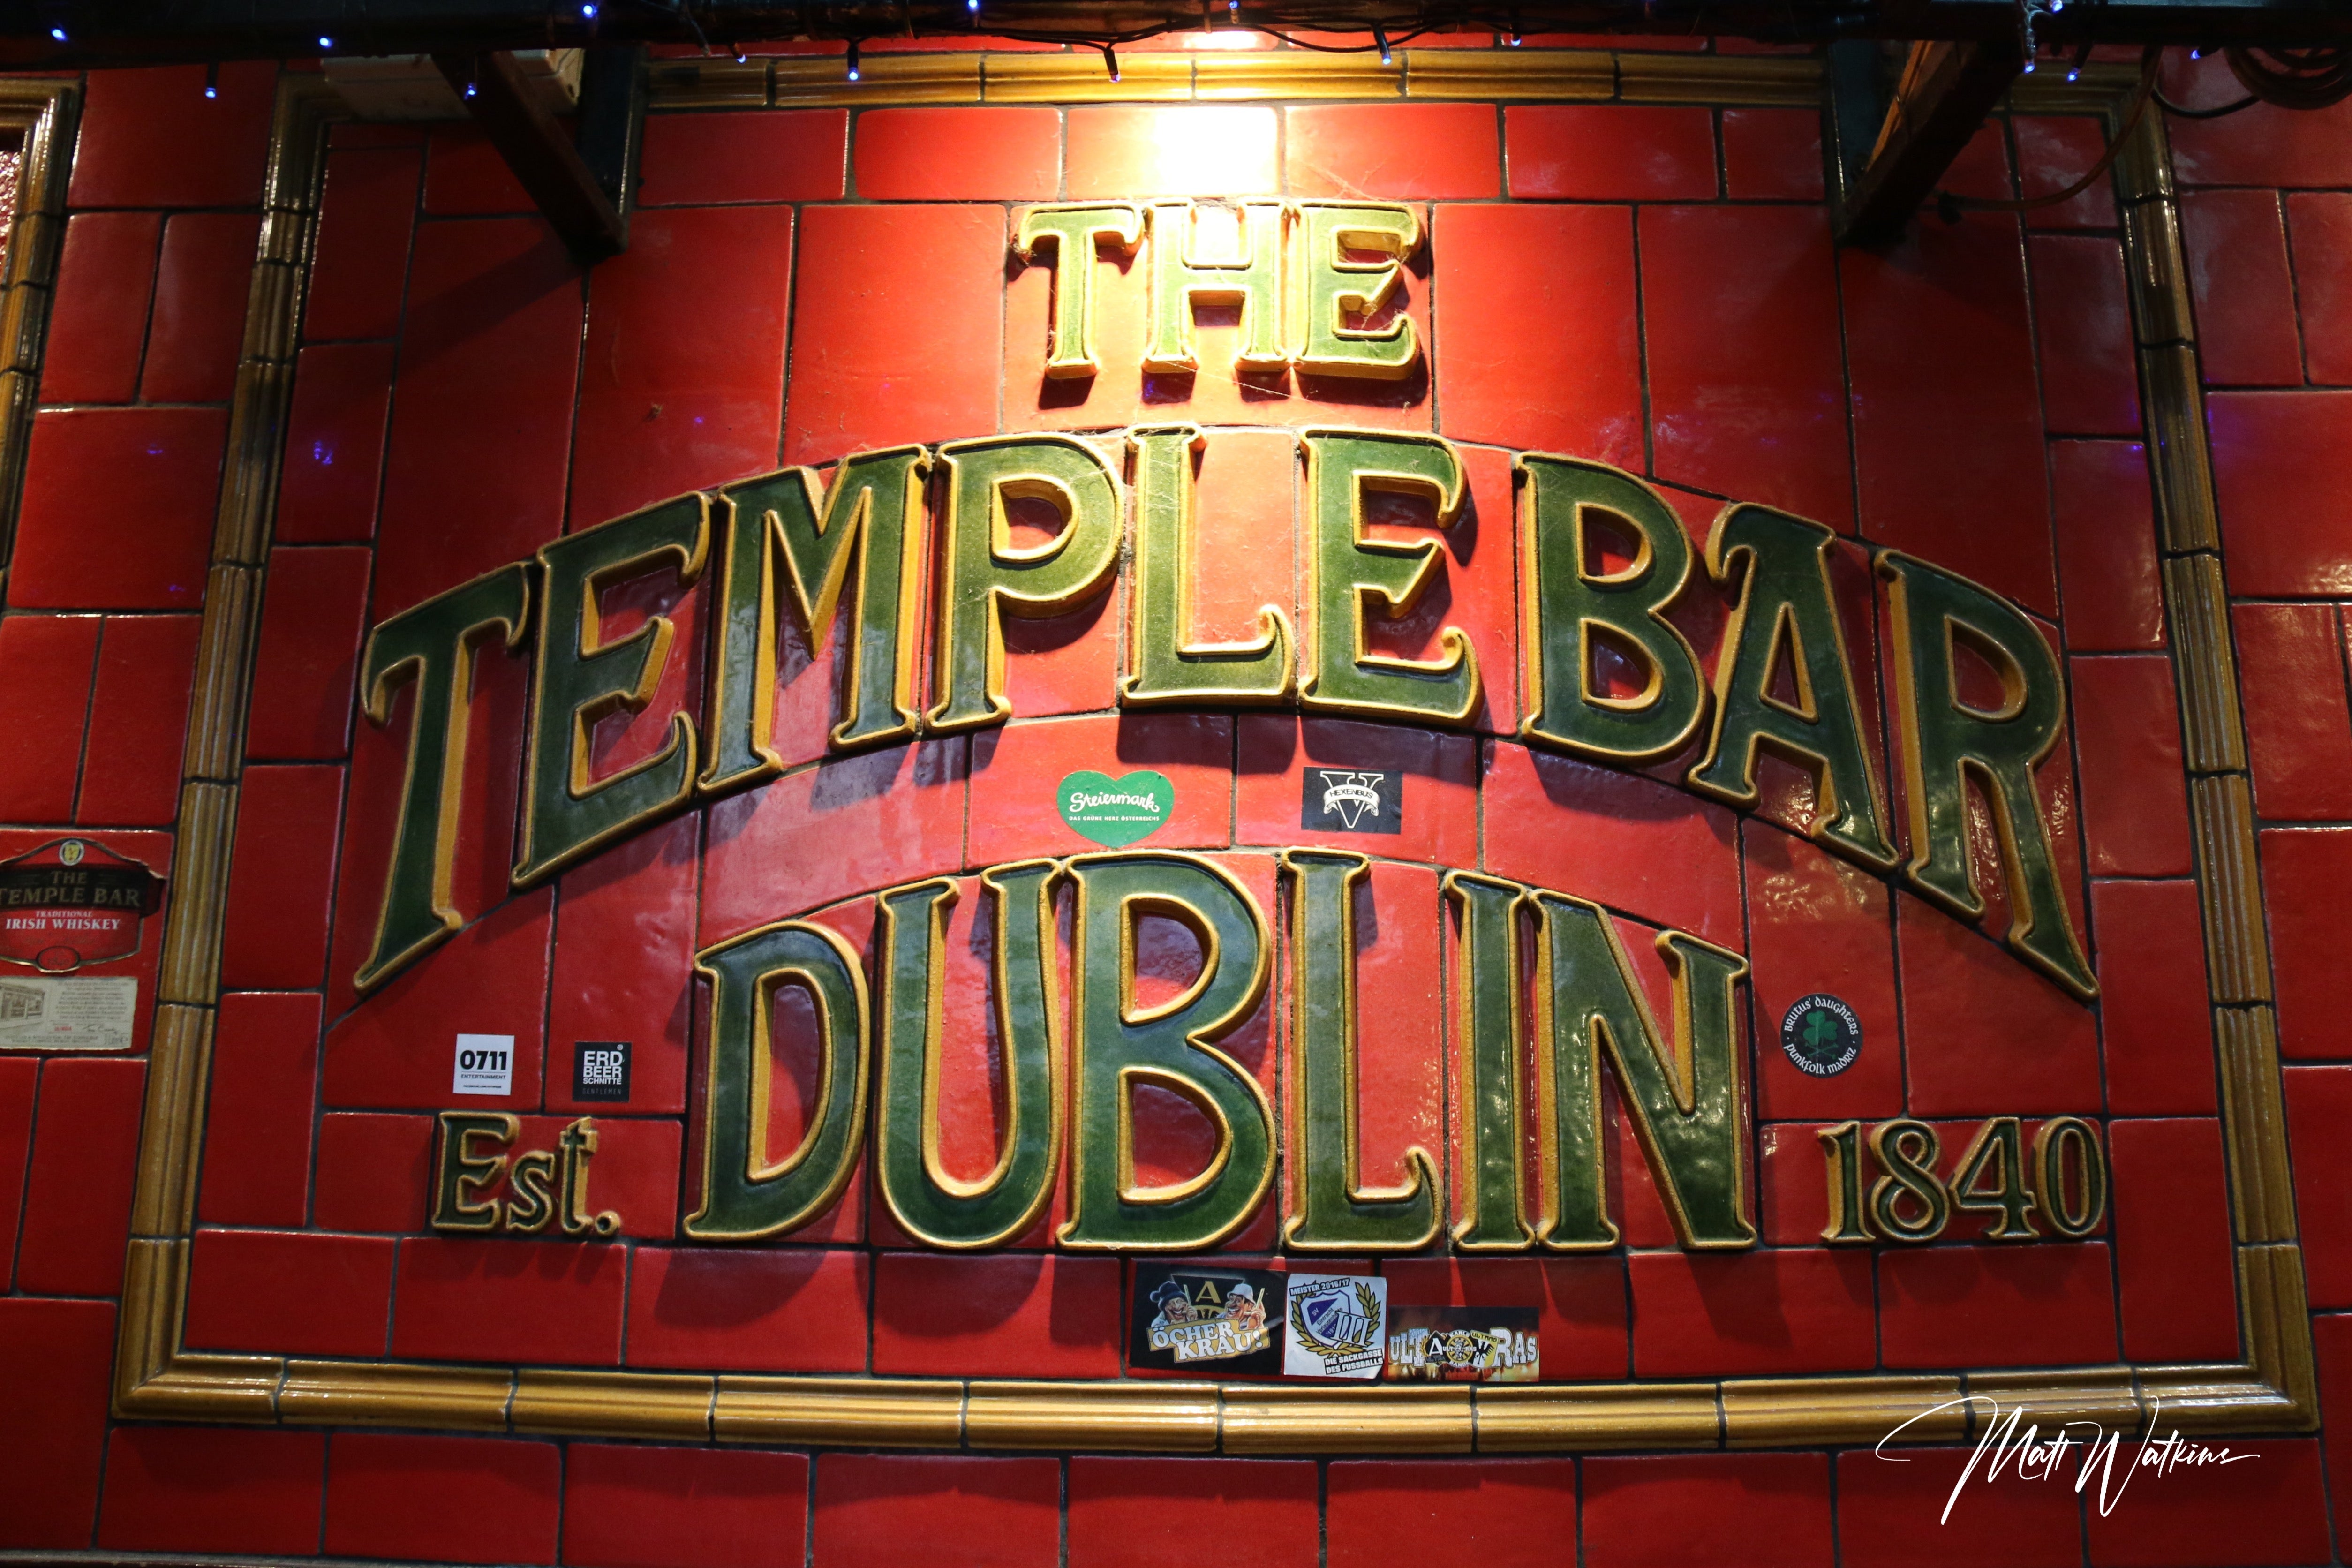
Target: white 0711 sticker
pixel 484 1065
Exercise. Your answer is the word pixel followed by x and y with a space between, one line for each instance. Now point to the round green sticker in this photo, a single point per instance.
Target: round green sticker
pixel 1820 1035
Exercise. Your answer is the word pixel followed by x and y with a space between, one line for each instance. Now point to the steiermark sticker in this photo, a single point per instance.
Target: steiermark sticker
pixel 1115 812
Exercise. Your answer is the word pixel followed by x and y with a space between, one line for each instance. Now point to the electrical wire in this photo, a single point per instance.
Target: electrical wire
pixel 1951 206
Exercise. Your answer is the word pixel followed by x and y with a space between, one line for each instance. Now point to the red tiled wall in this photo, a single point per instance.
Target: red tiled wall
pixel 1654 286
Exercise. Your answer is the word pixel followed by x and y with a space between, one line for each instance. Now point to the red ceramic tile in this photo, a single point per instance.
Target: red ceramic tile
pixel 1436 773
pixel 1125 152
pixel 2273 1511
pixel 539 1303
pixel 2262 146
pixel 1581 1302
pixel 334 444
pixel 2244 292
pixel 493 1500
pixel 856 824
pixel 1771 155
pixel 375 1173
pixel 2333 1339
pixel 876 1508
pixel 1011 1314
pixel 1747 380
pixel 152 139
pixel 2278 487
pixel 306 673
pixel 263 1093
pixel 212 1488
pixel 1891 1511
pixel 117 510
pixel 625 965
pixel 2053 153
pixel 1951 466
pixel 871 366
pixel 46 663
pixel 464 177
pixel 1592 153
pixel 19 1081
pixel 2107 546
pixel 482 422
pixel 2176 1270
pixel 2050 1304
pixel 1819 923
pixel 1017 774
pixel 2090 371
pixel 291 1292
pixel 632 1507
pixel 760 156
pixel 2318 1099
pixel 1633 844
pixel 2322 227
pixel 1001 154
pixel 2128 741
pixel 1778 1310
pixel 98 318
pixel 1504 1513
pixel 365 225
pixel 1500 268
pixel 1984 1035
pixel 2304 872
pixel 398 1049
pixel 57 1360
pixel 749 1310
pixel 1771 1511
pixel 1792 1183
pixel 684 382
pixel 1391 151
pixel 200 281
pixel 2156 1028
pixel 484 858
pixel 1160 1513
pixel 2298 727
pixel 78 1197
pixel 138 720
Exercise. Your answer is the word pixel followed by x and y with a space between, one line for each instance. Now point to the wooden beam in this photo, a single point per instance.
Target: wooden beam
pixel 590 222
pixel 1939 102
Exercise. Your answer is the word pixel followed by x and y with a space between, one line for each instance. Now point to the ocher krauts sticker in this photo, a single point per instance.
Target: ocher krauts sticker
pixel 1115 813
pixel 1213 1321
pixel 1820 1035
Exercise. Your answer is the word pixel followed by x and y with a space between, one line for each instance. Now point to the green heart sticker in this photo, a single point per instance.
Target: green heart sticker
pixel 1115 812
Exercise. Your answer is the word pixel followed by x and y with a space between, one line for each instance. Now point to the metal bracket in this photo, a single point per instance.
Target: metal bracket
pixel 1887 151
pixel 585 190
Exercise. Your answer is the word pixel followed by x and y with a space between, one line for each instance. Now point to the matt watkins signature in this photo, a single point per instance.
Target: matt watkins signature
pixel 2036 1457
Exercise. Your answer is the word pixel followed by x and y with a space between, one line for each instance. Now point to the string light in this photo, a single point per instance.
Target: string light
pixel 1110 62
pixel 212 80
pixel 1381 36
pixel 588 13
pixel 58 33
pixel 325 42
pixel 853 59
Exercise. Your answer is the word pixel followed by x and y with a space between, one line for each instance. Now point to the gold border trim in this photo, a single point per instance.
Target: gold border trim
pixel 43 113
pixel 2272 1389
